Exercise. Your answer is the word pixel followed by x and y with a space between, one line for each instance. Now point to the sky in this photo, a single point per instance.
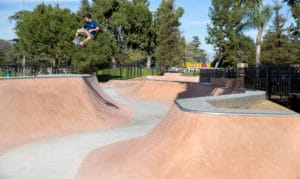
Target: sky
pixel 193 23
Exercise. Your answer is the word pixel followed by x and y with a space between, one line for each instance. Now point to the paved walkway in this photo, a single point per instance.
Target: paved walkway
pixel 61 157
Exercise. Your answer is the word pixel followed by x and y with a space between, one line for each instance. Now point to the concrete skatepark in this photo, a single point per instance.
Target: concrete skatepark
pixel 73 127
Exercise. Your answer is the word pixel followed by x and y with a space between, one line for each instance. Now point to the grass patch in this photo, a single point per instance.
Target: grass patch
pixel 125 73
pixel 15 74
pixel 191 74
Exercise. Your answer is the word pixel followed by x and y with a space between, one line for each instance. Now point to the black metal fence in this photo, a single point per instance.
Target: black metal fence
pixel 208 73
pixel 126 71
pixel 34 69
pixel 281 83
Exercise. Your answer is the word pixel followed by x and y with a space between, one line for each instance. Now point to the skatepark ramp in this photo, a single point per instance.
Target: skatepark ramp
pixel 189 145
pixel 36 108
pixel 201 138
pixel 166 91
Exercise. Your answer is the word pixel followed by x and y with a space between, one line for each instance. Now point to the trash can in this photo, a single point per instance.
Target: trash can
pixel 8 73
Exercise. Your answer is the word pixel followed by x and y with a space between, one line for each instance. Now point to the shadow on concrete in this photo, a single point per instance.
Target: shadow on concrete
pixel 106 78
pixel 97 95
pixel 202 90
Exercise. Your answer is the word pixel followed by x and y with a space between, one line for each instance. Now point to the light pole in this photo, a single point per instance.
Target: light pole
pixel 24 58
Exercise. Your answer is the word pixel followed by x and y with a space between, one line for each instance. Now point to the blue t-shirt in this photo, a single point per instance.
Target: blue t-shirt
pixel 91 25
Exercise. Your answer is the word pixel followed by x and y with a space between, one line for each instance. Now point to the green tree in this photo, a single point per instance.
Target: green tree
pixel 257 16
pixel 103 11
pixel 196 41
pixel 18 16
pixel 152 40
pixel 193 51
pixel 96 55
pixel 135 19
pixel 182 51
pixel 245 50
pixel 146 2
pixel 131 23
pixel 295 7
pixel 84 8
pixel 278 47
pixel 224 31
pixel 46 33
pixel 168 35
pixel 5 48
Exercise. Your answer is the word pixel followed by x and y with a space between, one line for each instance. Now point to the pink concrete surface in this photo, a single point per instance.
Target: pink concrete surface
pixel 191 145
pixel 34 109
pixel 120 83
pixel 174 77
pixel 166 92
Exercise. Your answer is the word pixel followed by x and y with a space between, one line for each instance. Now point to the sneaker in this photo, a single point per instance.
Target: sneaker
pixel 76 42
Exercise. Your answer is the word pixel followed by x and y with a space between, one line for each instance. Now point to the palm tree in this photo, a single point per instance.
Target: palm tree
pixel 257 17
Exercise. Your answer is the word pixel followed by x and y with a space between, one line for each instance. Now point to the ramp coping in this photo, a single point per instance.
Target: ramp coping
pixel 46 76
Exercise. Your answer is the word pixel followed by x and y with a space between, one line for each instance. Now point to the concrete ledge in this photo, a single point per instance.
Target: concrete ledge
pixel 228 83
pixel 238 100
pixel 210 105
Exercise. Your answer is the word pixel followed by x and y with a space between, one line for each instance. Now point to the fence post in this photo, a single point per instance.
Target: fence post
pixel 131 71
pixel 141 71
pixel 120 72
pixel 15 69
pixel 241 72
pixel 134 71
pixel 268 85
pixel 127 71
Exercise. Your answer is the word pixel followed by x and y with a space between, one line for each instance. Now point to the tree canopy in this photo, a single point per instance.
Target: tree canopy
pixel 193 51
pixel 279 47
pixel 129 31
pixel 168 35
pixel 225 31
pixel 46 33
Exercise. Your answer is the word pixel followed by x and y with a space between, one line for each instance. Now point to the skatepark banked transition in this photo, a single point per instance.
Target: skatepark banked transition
pixel 37 108
pixel 208 132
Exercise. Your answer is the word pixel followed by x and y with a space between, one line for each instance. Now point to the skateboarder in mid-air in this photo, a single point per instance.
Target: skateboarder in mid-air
pixel 88 31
